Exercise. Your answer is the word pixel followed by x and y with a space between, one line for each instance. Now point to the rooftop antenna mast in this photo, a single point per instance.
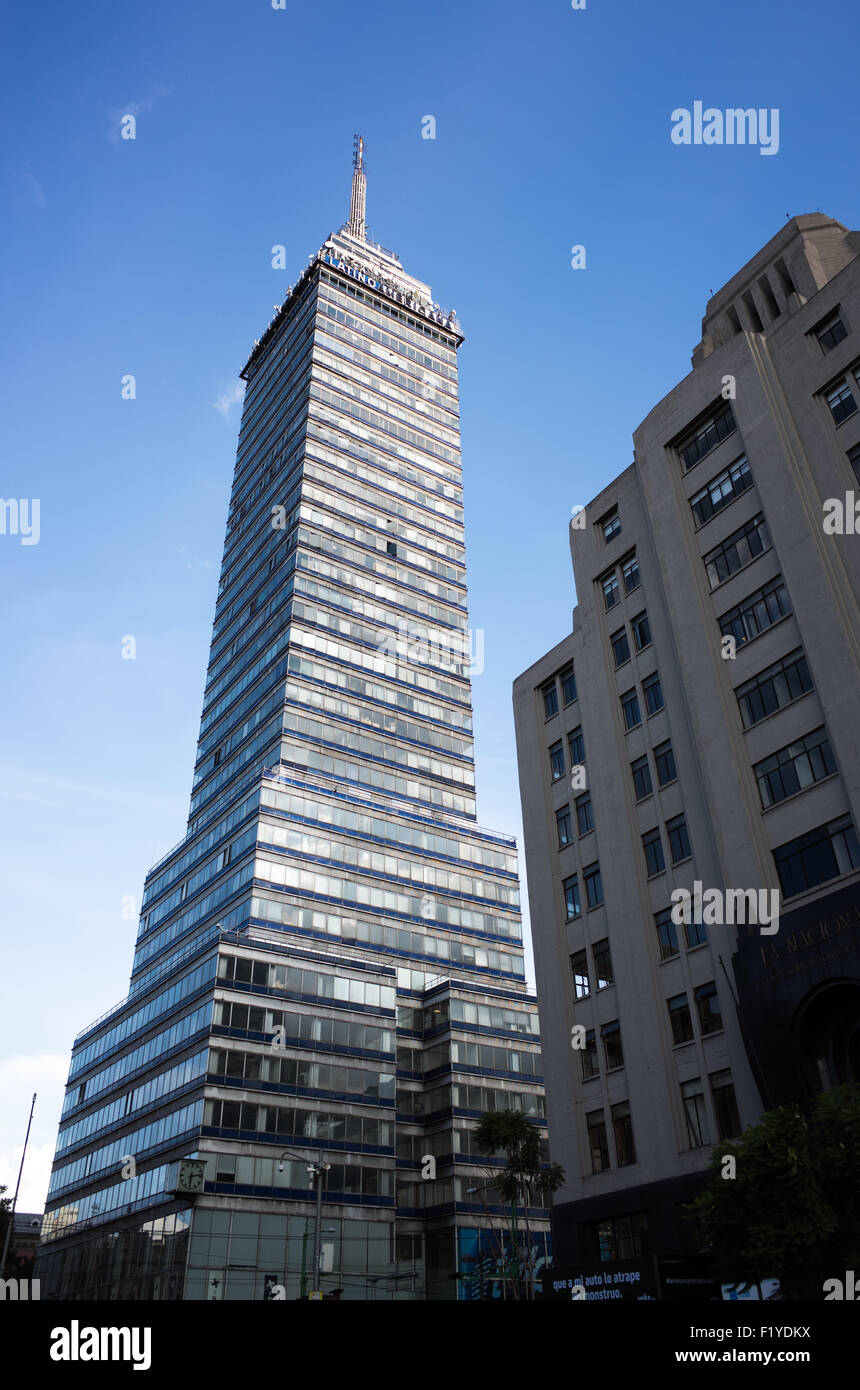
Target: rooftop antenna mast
pixel 358 198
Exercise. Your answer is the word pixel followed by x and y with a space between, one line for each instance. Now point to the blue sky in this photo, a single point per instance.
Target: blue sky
pixel 153 257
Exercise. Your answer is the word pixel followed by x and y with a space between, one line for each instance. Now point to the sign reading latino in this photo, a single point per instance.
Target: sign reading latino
pixel 392 290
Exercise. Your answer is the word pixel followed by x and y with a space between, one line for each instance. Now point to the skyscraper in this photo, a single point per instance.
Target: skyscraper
pixel 328 984
pixel 699 726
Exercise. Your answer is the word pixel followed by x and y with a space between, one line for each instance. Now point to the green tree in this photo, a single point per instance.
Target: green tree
pixel 792 1212
pixel 524 1176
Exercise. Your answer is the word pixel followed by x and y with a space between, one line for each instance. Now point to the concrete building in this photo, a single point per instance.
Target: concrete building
pixel 328 984
pixel 708 702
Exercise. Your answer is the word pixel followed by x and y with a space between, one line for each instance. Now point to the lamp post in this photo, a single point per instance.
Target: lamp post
pixel 315 1172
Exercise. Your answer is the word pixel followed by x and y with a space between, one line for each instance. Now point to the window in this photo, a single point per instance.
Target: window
pixel 611 525
pixel 630 573
pixel 653 692
pixel 708 1005
pixel 597 1141
pixel 794 767
pixel 641 631
pixel 842 403
pixel 581 982
pixel 576 744
pixel 630 709
pixel 695 933
pixel 568 686
pixel 720 491
pixel 749 541
pixel 854 460
pixel 391 547
pixel 603 964
pixel 616 1237
pixel 711 432
pixel 590 1064
pixel 620 646
pixel 693 1100
pixel 664 760
pixel 572 905
pixel 565 832
pixel 612 1053
pixel 641 777
pixel 611 591
pixel 679 840
pixel 680 1018
pixel 622 1128
pixel 584 813
pixel 593 885
pixel 652 844
pixel 556 761
pixel 666 934
pixel 725 1105
pixel 830 332
pixel 550 700
pixel 758 612
pixel 774 688
pixel 821 854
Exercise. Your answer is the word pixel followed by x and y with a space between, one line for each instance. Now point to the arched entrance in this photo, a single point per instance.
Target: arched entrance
pixel 826 1037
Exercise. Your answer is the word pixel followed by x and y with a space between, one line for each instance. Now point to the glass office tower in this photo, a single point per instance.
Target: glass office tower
pixel 328 986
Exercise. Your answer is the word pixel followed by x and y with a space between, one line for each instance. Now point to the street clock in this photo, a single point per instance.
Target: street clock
pixel 191 1175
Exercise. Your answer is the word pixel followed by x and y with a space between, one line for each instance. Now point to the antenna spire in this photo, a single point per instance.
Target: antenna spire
pixel 358 198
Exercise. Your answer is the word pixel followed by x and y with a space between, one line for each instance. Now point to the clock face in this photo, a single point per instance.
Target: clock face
pixel 190 1177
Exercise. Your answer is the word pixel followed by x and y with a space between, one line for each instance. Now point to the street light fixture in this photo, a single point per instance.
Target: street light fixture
pixel 315 1172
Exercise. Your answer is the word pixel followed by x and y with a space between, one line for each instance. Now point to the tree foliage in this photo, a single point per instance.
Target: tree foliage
pixel 509 1134
pixel 792 1211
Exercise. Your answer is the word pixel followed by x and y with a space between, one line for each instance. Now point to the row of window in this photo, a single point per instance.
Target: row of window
pixel 393 940
pixel 667 935
pixel 791 769
pixel 830 331
pixel 775 687
pixel 720 491
pixel 324 1033
pixel 603 975
pixel 664 762
pixel 641 629
pixel 695 1116
pixel 743 545
pixel 593 891
pixel 296 1124
pixel 313 983
pixel 576 748
pixel 254 1067
pixel 467 1096
pixel 821 854
pixel 613 1053
pixel 707 1008
pixel 631 709
pixel 549 691
pixel 384 830
pixel 622 1132
pixel 156 1089
pixel 679 845
pixel 757 612
pixel 180 991
pixel 706 435
pixel 630 578
pixel 584 820
pixel 841 398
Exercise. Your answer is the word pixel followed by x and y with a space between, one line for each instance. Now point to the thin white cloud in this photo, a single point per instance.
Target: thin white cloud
pixel 34 189
pixel 229 398
pixel 133 108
